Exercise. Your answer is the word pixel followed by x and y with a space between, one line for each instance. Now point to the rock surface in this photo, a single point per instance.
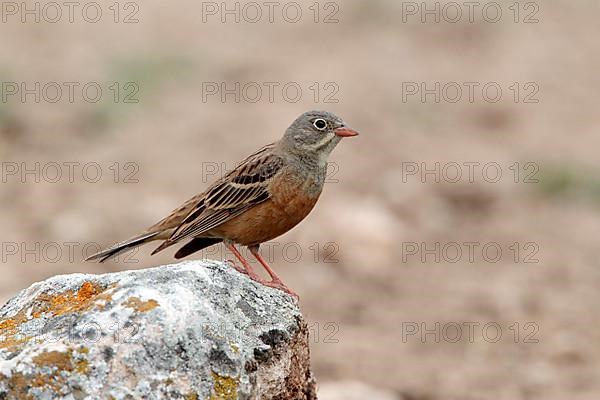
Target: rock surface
pixel 194 330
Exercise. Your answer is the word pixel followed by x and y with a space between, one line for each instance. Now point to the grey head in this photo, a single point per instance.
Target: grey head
pixel 314 134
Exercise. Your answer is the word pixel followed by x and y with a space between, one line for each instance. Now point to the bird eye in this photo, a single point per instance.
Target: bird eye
pixel 320 124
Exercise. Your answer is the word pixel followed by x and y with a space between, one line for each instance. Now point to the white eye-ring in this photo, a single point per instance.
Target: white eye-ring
pixel 320 124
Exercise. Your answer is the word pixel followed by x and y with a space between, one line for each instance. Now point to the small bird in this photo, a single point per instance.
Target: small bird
pixel 265 196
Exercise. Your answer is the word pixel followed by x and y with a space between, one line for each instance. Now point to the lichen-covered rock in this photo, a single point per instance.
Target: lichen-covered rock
pixel 194 330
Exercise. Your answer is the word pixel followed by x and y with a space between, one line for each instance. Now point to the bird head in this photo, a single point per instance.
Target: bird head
pixel 316 133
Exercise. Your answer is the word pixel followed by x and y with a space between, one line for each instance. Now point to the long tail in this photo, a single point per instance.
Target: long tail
pixel 122 247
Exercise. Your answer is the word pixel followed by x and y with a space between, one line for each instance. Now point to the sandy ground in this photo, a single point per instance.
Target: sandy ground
pixel 453 253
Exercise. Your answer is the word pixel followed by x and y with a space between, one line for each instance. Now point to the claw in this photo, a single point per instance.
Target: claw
pixel 279 285
pixel 237 267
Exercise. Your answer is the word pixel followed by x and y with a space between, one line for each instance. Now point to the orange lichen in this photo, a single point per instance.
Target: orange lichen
pixel 90 294
pixel 11 343
pixel 20 384
pixel 8 330
pixel 69 301
pixel 139 305
pixel 7 324
pixel 57 359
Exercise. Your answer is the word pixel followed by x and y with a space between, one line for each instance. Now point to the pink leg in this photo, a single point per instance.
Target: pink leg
pixel 276 281
pixel 247 270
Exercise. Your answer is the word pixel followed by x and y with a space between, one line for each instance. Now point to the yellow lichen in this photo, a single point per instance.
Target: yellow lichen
pixel 82 366
pixel 225 387
pixel 234 347
pixel 139 305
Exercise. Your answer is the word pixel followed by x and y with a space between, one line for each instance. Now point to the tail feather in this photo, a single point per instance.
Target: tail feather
pixel 195 245
pixel 163 245
pixel 122 247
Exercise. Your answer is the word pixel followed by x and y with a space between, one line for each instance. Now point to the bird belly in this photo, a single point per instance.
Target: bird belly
pixel 289 204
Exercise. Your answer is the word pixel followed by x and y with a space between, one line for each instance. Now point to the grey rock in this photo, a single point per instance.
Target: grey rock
pixel 194 330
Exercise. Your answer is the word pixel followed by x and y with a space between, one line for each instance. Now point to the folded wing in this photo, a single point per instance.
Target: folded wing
pixel 239 190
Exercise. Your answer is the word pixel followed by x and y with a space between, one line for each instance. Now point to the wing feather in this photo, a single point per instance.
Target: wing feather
pixel 239 190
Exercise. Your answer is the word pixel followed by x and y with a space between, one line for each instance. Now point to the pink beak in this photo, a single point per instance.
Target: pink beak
pixel 345 132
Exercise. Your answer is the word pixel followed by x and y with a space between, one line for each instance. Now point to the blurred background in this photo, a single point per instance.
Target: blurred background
pixel 454 251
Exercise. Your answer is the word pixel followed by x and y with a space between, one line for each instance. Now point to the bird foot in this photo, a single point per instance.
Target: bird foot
pixel 276 284
pixel 246 271
pixel 239 269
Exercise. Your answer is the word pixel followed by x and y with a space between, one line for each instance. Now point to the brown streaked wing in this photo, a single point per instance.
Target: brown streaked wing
pixel 177 216
pixel 239 190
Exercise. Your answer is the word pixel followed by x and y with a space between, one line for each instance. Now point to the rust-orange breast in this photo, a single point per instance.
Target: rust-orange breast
pixel 289 204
